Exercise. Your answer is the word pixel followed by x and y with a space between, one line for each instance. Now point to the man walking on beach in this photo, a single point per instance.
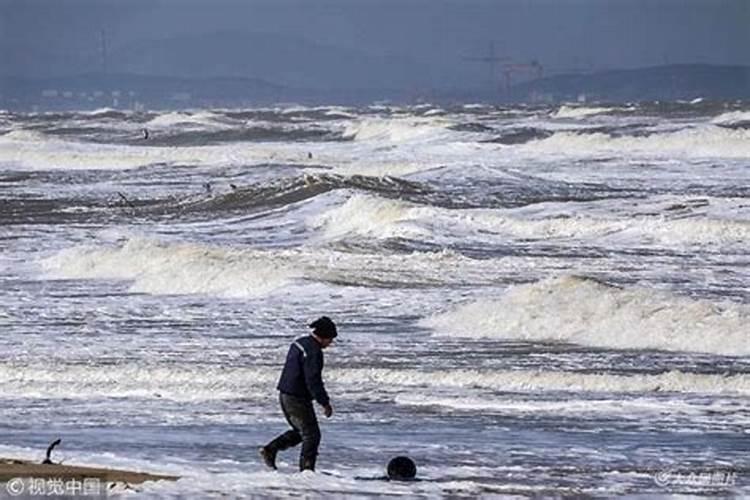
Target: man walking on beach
pixel 301 382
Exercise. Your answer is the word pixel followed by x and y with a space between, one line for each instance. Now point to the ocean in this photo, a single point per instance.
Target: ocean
pixel 531 300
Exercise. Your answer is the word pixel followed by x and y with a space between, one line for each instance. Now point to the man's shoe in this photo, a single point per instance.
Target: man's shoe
pixel 307 464
pixel 268 456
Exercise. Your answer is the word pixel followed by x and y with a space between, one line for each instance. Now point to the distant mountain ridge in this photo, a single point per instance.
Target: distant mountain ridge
pixel 133 91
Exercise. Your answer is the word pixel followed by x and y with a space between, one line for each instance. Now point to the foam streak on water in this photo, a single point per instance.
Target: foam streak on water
pixel 531 301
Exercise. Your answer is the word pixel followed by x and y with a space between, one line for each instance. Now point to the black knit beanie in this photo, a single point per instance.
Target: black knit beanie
pixel 324 327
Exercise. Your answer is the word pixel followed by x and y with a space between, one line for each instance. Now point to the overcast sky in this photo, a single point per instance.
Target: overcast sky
pixel 560 34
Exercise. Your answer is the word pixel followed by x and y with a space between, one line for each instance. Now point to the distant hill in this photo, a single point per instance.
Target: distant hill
pixel 686 81
pixel 133 91
pixel 289 61
pixel 91 91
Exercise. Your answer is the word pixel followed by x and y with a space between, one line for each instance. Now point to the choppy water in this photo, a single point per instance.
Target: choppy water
pixel 532 301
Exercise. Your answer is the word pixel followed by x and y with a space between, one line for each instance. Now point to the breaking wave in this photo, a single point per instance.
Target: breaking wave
pixel 176 118
pixel 520 136
pixel 369 215
pixel 40 152
pixel 103 113
pixel 578 112
pixel 705 141
pixel 396 129
pixel 160 268
pixel 471 127
pixel 538 380
pixel 211 382
pixel 289 190
pixel 583 311
pixel 734 119
pixel 25 136
pixel 201 137
pixel 182 268
pixel 131 380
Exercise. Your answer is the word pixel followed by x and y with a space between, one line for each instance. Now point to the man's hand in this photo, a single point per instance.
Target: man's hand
pixel 328 410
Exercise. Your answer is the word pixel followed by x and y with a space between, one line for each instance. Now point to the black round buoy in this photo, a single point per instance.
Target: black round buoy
pixel 402 469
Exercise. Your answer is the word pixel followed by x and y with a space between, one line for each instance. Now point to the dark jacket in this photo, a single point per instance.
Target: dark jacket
pixel 302 371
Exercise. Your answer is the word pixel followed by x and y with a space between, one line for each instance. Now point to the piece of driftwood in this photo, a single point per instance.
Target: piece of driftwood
pixel 48 458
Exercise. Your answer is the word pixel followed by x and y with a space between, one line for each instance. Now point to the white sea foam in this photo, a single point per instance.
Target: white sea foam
pixel 566 407
pixel 538 380
pixel 39 152
pixel 396 129
pixel 210 382
pixel 639 230
pixel 169 119
pixel 183 268
pixel 101 111
pixel 132 380
pixel 25 136
pixel 364 214
pixel 18 149
pixel 160 268
pixel 336 112
pixel 583 311
pixel 143 376
pixel 732 117
pixel 176 118
pixel 248 478
pixel 698 142
pixel 385 218
pixel 577 112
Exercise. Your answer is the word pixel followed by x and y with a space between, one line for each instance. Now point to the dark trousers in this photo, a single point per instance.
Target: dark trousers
pixel 300 414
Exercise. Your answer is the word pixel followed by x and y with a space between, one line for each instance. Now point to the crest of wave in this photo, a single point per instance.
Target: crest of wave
pixel 540 380
pixel 584 311
pixel 200 382
pixel 732 118
pixel 25 136
pixel 578 111
pixel 706 141
pixel 396 129
pixel 207 382
pixel 203 118
pixel 101 111
pixel 161 268
pixel 643 230
pixel 371 215
pixel 384 218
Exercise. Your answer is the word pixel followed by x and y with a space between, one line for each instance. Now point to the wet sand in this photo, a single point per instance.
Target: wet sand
pixel 13 468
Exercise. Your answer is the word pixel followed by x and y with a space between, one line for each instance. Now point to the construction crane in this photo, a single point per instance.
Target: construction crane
pixel 492 60
pixel 509 68
pixel 533 68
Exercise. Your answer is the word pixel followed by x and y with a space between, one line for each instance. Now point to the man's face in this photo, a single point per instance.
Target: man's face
pixel 325 343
